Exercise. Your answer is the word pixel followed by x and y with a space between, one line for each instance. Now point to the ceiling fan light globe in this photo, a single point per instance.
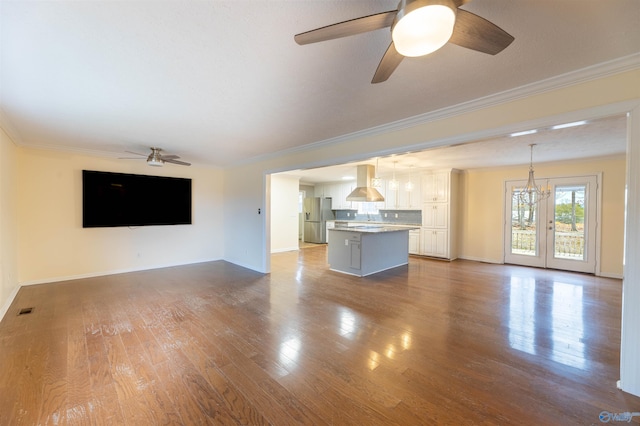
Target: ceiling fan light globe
pixel 154 162
pixel 424 29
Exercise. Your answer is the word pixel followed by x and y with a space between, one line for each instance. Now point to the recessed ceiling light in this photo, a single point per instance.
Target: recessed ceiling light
pixel 564 126
pixel 526 132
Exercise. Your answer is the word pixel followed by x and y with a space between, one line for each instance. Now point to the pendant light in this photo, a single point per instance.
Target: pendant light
pixel 409 185
pixel 393 183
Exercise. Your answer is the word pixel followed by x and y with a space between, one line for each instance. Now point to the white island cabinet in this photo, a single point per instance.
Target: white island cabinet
pixel 367 249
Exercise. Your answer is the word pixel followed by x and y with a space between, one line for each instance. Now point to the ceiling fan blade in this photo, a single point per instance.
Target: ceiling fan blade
pixel 169 157
pixel 474 32
pixel 182 163
pixel 136 153
pixel 347 28
pixel 387 65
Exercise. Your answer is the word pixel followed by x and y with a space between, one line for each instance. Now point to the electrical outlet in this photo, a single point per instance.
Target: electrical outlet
pixel 348 214
pixel 396 215
pixel 346 242
pixel 385 215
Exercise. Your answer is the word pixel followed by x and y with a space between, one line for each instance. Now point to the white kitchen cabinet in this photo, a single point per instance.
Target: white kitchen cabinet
pixel 439 214
pixel 414 241
pixel 382 205
pixel 435 215
pixel 409 196
pixel 400 198
pixel 338 192
pixel 330 224
pixel 436 186
pixel 344 189
pixel 391 195
pixel 333 191
pixel 435 242
pixel 318 190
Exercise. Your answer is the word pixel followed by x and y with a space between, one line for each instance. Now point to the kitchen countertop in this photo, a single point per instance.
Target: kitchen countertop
pixel 373 227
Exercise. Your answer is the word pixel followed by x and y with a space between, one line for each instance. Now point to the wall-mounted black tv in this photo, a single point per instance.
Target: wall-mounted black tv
pixel 120 199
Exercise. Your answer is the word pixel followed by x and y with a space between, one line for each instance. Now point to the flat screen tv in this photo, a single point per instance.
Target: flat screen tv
pixel 120 199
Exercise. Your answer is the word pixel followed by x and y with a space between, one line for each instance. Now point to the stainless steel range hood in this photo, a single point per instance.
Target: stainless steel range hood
pixel 364 191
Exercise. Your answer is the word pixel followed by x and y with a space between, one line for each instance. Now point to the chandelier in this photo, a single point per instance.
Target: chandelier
pixel 532 194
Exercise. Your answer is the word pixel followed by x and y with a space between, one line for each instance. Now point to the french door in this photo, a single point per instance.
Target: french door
pixel 558 232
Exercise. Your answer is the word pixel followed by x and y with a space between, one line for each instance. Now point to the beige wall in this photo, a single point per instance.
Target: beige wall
pixel 8 221
pixel 482 208
pixel 54 246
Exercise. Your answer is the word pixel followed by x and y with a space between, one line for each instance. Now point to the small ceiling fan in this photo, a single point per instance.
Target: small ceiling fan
pixel 418 27
pixel 156 158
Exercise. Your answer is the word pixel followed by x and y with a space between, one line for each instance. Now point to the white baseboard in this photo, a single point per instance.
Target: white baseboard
pixel 480 259
pixel 610 275
pixel 9 301
pixel 112 272
pixel 285 249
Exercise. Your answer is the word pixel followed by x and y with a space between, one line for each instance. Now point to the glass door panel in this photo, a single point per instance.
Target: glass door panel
pixel 558 232
pixel 569 220
pixel 522 242
pixel 524 235
pixel 571 224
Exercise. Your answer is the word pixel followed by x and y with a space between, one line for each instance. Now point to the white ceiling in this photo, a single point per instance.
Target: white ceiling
pixel 218 82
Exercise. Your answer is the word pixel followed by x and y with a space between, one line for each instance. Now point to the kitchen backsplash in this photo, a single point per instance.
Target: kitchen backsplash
pixel 408 217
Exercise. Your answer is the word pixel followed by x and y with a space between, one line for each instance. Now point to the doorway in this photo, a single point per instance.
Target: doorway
pixel 558 232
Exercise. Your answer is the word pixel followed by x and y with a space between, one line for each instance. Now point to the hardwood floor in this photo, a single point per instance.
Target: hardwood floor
pixel 430 343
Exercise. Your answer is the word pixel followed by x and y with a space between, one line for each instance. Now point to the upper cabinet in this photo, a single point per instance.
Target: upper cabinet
pixel 435 187
pixel 343 190
pixel 338 193
pixel 407 194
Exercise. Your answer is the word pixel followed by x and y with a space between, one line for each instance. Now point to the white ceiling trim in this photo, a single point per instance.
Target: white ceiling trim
pixel 10 129
pixel 617 66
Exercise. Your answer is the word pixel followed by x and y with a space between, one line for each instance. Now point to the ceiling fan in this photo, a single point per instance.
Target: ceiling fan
pixel 156 158
pixel 418 27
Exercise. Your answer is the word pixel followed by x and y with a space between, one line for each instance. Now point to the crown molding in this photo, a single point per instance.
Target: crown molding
pixel 594 72
pixel 10 129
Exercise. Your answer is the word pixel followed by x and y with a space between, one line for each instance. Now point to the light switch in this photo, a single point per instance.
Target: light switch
pixel 346 242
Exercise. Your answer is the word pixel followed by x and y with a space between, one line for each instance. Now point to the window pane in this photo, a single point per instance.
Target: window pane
pixel 523 225
pixel 569 232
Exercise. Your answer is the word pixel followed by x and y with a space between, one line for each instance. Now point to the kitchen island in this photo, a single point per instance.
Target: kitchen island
pixel 366 249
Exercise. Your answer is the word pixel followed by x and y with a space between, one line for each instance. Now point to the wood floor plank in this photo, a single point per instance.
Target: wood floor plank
pixel 213 343
pixel 235 401
pixel 52 341
pixel 79 398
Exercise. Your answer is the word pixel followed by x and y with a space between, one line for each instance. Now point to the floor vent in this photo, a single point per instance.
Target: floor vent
pixel 25 311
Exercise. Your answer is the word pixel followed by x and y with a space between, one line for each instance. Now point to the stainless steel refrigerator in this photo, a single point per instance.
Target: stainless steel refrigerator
pixel 316 212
